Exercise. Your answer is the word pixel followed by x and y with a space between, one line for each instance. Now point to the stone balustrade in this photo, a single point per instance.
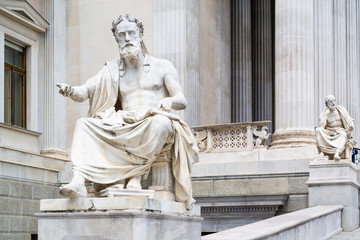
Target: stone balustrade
pixel 232 137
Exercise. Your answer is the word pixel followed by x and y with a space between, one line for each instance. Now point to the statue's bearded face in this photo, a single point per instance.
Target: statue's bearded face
pixel 129 40
pixel 330 104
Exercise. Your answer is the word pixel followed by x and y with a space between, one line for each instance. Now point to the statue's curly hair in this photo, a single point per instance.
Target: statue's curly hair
pixel 330 98
pixel 130 19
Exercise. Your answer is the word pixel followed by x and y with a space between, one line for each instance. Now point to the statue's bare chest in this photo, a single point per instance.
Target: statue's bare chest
pixel 333 117
pixel 140 81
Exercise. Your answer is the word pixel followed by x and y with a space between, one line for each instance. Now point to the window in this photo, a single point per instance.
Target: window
pixel 15 85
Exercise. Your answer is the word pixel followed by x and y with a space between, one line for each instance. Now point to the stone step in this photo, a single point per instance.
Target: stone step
pixel 29 166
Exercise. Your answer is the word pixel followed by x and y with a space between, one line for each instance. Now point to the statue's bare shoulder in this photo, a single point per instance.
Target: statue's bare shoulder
pixel 164 67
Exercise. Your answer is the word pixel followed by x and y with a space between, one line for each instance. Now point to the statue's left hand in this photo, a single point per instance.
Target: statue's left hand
pixel 165 104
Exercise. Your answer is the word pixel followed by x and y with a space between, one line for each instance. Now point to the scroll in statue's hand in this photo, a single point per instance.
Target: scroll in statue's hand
pixel 65 89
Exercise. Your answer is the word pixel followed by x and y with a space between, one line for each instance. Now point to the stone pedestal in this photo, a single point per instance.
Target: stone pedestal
pixel 333 183
pixel 131 218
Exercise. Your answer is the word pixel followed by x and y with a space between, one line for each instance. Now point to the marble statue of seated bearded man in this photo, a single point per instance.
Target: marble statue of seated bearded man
pixel 111 145
pixel 334 131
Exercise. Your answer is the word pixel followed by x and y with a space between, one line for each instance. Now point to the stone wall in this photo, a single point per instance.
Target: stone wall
pixel 25 178
pixel 90 43
pixel 19 201
pixel 260 176
pixel 293 186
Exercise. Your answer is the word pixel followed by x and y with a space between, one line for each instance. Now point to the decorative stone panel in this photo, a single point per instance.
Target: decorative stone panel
pixel 232 137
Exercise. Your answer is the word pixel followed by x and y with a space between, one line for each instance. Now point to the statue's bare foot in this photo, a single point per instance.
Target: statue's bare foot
pixel 73 190
pixel 134 183
pixel 337 157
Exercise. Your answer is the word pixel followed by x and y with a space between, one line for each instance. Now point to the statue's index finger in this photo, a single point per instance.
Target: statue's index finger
pixel 59 85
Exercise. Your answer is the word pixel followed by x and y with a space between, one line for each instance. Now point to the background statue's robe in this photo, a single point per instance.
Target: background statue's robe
pixel 110 145
pixel 328 139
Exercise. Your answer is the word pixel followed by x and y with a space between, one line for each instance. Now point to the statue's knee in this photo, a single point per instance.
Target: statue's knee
pixel 162 122
pixel 343 134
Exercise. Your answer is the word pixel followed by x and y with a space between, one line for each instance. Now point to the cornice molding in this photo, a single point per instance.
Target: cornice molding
pixel 30 17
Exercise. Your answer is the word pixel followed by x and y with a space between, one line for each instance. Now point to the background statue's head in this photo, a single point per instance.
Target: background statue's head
pixel 128 32
pixel 330 102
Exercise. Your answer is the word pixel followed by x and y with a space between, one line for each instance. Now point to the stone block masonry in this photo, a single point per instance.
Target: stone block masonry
pixel 19 201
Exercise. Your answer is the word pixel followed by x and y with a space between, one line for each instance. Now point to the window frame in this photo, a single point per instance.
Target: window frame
pixel 22 71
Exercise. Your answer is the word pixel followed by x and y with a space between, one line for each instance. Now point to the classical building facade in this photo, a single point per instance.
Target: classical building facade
pixel 261 62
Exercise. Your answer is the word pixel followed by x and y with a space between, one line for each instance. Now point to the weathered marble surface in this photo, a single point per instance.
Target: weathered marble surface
pixel 134 218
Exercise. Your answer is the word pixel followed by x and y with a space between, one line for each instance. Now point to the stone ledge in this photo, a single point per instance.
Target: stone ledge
pixel 116 203
pixel 141 213
pixel 333 163
pixel 17 137
pixel 31 159
pixel 248 200
pixel 273 227
pixel 333 181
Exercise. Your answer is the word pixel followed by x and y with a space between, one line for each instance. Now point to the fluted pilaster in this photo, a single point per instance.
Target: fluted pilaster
pixel 54 115
pixel 262 61
pixel 294 74
pixel 241 69
pixel 176 38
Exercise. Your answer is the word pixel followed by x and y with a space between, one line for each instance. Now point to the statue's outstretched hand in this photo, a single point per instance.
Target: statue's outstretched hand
pixel 65 89
pixel 165 104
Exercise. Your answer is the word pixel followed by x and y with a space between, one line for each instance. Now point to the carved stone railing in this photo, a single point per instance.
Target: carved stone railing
pixel 232 137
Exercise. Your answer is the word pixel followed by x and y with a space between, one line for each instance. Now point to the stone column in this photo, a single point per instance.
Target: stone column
pixel 324 53
pixel 262 92
pixel 353 65
pixel 241 71
pixel 294 74
pixel 176 38
pixel 54 109
pixel 340 51
pixel 223 61
pixel 337 55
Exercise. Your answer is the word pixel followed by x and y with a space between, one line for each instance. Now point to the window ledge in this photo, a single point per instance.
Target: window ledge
pixel 19 129
pixel 17 137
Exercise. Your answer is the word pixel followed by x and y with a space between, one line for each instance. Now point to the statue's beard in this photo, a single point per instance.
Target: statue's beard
pixel 130 53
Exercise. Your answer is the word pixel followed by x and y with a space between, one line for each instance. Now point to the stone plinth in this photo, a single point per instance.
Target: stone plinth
pixel 128 218
pixel 333 183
